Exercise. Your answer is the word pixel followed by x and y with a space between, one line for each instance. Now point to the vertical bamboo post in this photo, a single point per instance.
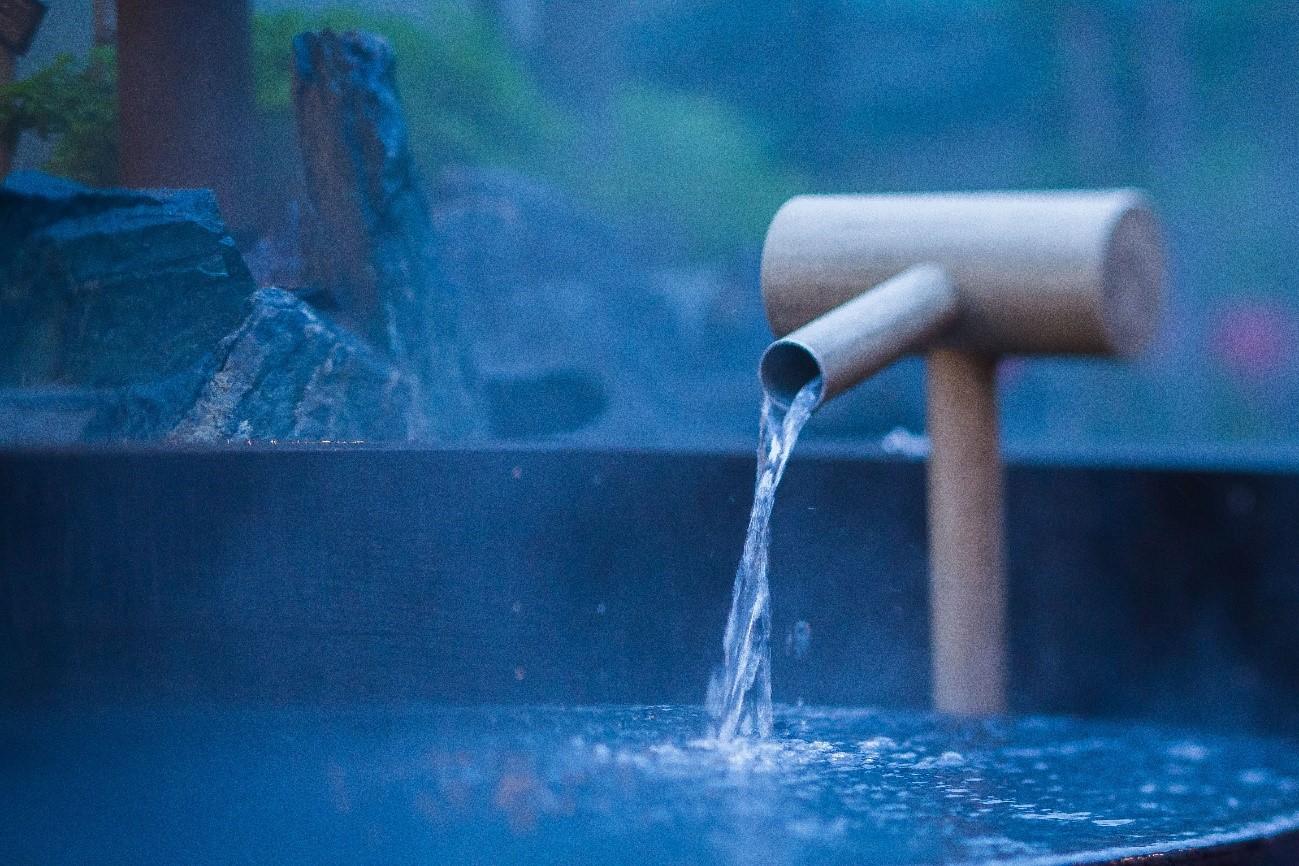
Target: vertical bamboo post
pixel 967 588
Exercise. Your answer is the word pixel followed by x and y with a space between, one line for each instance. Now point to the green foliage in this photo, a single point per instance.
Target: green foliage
pixel 692 160
pixel 467 99
pixel 74 105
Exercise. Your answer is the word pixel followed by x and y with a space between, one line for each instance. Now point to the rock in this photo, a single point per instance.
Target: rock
pixel 369 239
pixel 522 406
pixel 130 315
pixel 111 288
pixel 577 328
pixel 52 414
pixel 289 373
pixel 284 373
pixel 499 224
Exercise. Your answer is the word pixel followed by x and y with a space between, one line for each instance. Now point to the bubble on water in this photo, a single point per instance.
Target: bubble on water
pixel 631 759
pixel 904 443
pixel 998 846
pixel 1188 751
pixel 877 744
pixel 946 759
pixel 815 828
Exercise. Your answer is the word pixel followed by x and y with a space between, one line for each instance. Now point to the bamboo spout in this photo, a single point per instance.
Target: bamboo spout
pixel 962 278
pixel 861 337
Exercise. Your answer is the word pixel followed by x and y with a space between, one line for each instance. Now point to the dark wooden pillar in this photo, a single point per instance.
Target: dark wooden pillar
pixel 7 64
pixel 186 98
pixel 19 21
pixel 104 21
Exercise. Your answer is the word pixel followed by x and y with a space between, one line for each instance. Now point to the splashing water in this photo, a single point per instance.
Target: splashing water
pixel 739 694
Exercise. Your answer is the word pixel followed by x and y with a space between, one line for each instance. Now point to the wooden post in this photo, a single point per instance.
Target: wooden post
pixel 7 64
pixel 19 22
pixel 104 17
pixel 185 100
pixel 967 596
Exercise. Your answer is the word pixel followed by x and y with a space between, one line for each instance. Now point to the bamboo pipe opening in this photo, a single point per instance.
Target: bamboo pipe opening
pixel 786 367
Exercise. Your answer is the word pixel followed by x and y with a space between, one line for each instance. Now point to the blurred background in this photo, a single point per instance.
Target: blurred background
pixel 649 144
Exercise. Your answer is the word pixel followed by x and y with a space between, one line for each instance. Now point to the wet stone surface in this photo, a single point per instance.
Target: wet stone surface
pixel 620 785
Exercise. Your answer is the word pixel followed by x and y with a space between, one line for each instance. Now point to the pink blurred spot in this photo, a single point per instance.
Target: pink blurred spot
pixel 1252 338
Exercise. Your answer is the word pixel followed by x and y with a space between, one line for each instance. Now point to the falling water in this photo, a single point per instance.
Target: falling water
pixel 739 694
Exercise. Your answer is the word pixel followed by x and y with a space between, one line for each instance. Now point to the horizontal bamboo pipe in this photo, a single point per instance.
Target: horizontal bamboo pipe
pixel 861 337
pixel 1037 273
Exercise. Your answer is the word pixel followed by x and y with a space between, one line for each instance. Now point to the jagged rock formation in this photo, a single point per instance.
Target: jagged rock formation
pixel 111 288
pixel 129 315
pixel 370 240
pixel 288 373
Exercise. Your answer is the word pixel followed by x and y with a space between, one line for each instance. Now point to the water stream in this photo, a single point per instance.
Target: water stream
pixel 739 694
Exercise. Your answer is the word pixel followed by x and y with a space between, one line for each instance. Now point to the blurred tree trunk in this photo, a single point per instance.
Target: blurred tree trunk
pixel 7 64
pixel 811 36
pixel 515 19
pixel 185 99
pixel 579 59
pixel 104 15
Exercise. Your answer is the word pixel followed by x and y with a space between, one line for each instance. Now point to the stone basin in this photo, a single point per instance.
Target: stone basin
pixel 490 655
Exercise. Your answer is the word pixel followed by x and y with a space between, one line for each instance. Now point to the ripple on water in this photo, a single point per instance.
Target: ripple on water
pixel 612 784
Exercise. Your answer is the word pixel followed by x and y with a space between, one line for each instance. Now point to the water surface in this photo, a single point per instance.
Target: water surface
pixel 619 784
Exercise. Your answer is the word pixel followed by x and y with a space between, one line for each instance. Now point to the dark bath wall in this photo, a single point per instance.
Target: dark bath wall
pixel 556 575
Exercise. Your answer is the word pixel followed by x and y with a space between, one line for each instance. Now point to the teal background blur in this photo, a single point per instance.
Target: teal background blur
pixel 689 122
